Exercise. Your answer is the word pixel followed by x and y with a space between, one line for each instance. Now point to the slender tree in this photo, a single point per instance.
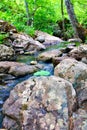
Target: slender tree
pixel 79 31
pixel 62 12
pixel 29 22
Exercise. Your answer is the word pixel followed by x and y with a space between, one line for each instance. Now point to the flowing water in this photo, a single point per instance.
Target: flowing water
pixel 8 85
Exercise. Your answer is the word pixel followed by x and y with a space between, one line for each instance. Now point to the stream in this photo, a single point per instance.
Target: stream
pixel 8 85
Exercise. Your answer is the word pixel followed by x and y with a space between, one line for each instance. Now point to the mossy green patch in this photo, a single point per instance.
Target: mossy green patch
pixel 24 107
pixel 2 37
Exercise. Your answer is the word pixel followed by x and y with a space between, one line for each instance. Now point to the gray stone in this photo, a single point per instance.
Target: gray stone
pixel 80 120
pixel 40 103
pixel 40 39
pixel 18 69
pixel 25 42
pixel 33 63
pixel 84 60
pixel 6 53
pixel 73 71
pixel 79 52
pixel 57 60
pixel 48 55
pixel 75 40
pixel 49 39
pixel 82 96
pixel 76 73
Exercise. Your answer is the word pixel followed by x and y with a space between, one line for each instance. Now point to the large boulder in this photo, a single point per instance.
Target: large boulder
pixel 73 71
pixel 49 55
pixel 48 39
pixel 6 53
pixel 18 69
pixel 76 73
pixel 42 103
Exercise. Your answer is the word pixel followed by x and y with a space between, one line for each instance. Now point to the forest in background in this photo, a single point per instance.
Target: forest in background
pixel 44 15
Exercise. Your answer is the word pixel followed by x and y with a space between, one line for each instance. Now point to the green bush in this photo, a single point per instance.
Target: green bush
pixel 2 37
pixel 44 13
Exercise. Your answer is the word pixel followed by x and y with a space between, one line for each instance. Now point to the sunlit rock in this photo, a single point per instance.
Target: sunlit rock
pixel 40 103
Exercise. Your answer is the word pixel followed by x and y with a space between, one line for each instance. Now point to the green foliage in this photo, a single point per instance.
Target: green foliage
pixel 42 73
pixel 2 37
pixel 43 13
pixel 80 11
pixel 29 30
pixel 61 45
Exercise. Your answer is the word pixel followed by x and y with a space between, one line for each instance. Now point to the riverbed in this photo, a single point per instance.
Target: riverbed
pixel 8 85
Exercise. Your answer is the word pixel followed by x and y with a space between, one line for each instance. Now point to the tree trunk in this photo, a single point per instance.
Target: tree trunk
pixel 62 12
pixel 29 21
pixel 79 31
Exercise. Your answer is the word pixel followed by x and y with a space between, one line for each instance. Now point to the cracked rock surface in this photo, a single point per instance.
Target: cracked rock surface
pixel 6 53
pixel 73 71
pixel 41 103
pixel 76 73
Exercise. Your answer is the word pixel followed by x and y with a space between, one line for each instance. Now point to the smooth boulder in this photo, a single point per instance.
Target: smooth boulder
pixel 18 69
pixel 49 55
